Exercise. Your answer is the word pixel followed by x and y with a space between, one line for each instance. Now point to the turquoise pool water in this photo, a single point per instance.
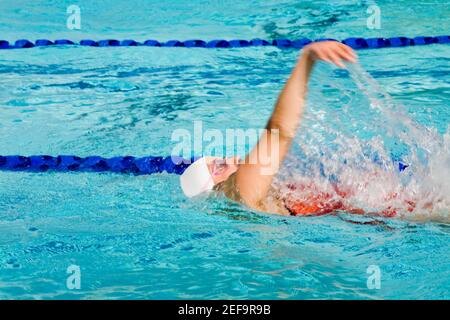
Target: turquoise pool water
pixel 138 237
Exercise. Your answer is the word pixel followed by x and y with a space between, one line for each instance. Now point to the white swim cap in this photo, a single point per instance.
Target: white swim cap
pixel 196 179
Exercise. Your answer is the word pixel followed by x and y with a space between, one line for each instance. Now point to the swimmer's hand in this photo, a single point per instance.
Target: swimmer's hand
pixel 330 51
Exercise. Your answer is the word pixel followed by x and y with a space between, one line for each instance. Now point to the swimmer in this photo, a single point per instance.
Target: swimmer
pixel 250 182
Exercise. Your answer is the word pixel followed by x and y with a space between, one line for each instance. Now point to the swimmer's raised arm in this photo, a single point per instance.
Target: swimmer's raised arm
pixel 254 177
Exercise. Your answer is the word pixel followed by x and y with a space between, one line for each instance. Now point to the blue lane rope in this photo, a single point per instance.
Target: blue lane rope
pixel 126 164
pixel 355 43
pixel 65 163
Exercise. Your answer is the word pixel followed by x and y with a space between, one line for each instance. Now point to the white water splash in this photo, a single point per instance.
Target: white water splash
pixel 349 147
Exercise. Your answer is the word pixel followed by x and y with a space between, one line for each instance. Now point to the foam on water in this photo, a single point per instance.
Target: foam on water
pixel 339 152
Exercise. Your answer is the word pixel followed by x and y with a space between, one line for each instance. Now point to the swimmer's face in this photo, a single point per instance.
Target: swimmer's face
pixel 222 168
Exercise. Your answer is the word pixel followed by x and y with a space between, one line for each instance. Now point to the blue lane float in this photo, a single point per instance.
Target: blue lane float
pixel 124 164
pixel 67 163
pixel 355 43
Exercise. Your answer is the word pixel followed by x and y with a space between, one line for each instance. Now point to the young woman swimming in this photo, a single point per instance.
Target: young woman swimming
pixel 250 181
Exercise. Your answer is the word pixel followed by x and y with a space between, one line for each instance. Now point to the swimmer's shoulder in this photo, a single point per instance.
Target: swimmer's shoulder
pixel 270 205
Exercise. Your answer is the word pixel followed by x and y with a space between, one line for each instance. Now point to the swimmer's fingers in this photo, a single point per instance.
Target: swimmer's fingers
pixel 347 53
pixel 341 52
pixel 324 56
pixel 332 52
pixel 335 57
pixel 331 55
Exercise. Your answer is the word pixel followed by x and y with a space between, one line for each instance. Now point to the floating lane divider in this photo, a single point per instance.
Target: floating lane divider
pixel 126 164
pixel 355 43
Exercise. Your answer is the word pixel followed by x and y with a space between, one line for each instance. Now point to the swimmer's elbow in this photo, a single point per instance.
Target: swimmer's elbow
pixel 284 131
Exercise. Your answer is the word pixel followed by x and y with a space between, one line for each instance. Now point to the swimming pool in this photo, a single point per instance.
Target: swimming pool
pixel 138 237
